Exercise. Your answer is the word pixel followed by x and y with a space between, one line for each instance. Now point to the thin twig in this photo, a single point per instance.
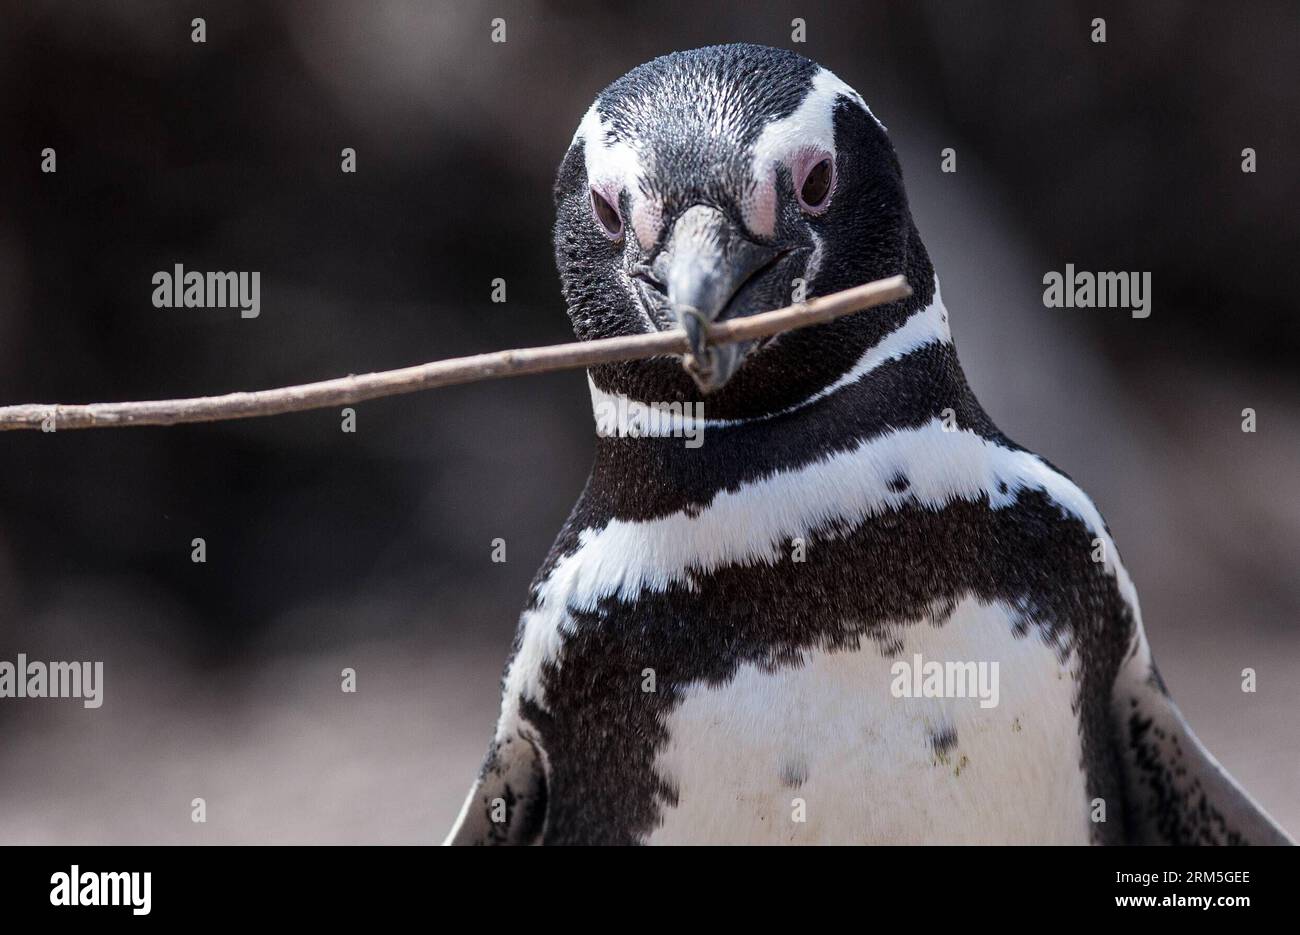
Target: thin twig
pixel 357 388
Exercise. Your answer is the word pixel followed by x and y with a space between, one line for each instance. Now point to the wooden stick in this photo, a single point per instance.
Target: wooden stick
pixel 357 388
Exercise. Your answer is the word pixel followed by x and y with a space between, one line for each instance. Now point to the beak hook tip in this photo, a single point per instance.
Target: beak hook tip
pixel 701 361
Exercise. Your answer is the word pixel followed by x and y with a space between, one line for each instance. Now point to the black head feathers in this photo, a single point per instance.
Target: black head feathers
pixel 723 182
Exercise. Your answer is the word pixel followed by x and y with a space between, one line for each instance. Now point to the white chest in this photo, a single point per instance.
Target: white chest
pixel 835 751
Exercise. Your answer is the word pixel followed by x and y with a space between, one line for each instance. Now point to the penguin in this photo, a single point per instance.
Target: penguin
pixel 856 612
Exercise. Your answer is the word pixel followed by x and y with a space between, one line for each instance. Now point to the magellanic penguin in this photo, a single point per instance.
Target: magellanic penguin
pixel 857 612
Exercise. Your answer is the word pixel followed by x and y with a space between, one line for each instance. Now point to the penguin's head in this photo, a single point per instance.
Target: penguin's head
pixel 722 182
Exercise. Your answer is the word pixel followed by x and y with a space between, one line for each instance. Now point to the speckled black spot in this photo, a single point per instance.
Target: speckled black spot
pixel 794 773
pixel 889 642
pixel 943 740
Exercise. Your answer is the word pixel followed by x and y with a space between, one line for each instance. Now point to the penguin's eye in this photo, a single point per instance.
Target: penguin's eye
pixel 815 190
pixel 607 215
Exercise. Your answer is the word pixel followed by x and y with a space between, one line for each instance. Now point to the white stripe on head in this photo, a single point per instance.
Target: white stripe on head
pixel 613 166
pixel 811 127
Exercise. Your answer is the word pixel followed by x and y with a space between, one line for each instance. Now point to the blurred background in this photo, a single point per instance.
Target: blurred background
pixel 372 550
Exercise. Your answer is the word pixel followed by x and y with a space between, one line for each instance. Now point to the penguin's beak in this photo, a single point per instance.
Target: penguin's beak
pixel 704 267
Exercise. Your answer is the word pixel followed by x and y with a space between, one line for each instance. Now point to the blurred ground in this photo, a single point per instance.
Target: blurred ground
pixel 371 551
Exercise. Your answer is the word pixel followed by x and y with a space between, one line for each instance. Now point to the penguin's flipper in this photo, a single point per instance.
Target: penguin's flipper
pixel 507 804
pixel 1176 792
